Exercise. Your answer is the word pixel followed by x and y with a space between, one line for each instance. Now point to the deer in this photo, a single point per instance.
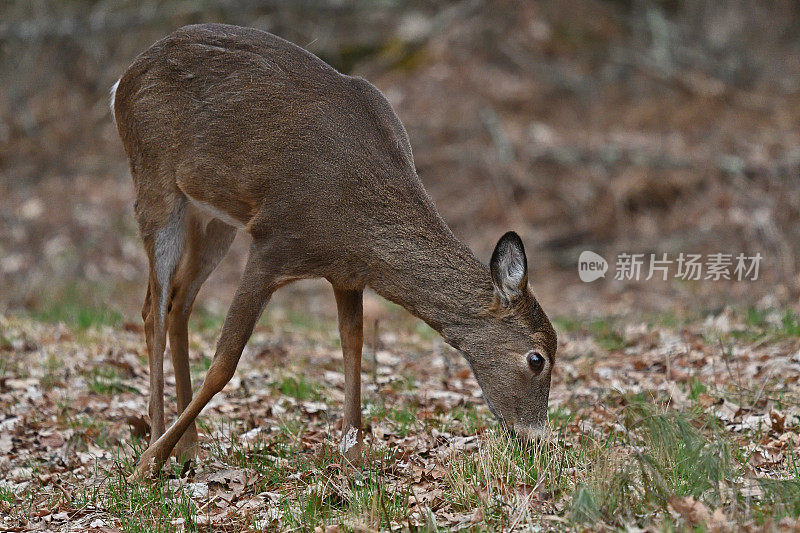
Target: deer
pixel 229 128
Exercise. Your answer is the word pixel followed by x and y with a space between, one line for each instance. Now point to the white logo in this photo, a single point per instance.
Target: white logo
pixel 591 266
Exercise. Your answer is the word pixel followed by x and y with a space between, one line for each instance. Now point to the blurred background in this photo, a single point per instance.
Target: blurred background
pixel 613 126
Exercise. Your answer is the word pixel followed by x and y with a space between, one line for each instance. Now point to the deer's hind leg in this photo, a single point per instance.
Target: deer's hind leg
pixel 261 277
pixel 163 231
pixel 349 304
pixel 204 248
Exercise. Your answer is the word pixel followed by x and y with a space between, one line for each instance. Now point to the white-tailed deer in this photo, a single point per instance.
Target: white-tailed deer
pixel 232 128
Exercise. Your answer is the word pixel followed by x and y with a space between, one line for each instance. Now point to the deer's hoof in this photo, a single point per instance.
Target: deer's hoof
pixel 351 447
pixel 146 466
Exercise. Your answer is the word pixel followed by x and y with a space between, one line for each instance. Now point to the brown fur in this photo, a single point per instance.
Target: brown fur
pixel 317 167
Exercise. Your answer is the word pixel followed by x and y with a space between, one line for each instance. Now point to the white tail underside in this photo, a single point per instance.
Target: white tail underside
pixel 112 98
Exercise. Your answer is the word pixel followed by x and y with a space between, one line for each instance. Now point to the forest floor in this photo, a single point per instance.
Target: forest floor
pixel 657 422
pixel 617 127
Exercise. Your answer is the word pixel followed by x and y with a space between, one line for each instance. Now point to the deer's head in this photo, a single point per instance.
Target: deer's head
pixel 513 351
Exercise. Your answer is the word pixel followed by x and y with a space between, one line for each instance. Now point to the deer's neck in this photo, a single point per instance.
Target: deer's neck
pixel 436 277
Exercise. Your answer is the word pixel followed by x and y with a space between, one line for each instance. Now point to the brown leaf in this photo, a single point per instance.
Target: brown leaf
pixel 757 459
pixel 764 458
pixel 234 479
pixel 719 521
pixel 706 400
pixel 691 510
pixel 51 439
pixel 139 426
pixel 778 421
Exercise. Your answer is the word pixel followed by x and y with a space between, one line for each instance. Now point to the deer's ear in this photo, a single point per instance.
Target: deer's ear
pixel 509 268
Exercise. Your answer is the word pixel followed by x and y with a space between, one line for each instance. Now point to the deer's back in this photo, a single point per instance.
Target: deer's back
pixel 263 130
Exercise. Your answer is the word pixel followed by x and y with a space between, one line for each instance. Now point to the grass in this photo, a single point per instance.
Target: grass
pixel 202 319
pixel 198 367
pixel 628 478
pixel 304 322
pixel 470 419
pixel 13 367
pixel 315 488
pixel 89 429
pixel 78 306
pixel 754 325
pixel 298 388
pixel 6 494
pixel 157 506
pixel 402 418
pixel 790 324
pixel 327 493
pixel 267 456
pixel 52 375
pixel 696 388
pixel 764 325
pixel 107 380
pixel 503 477
pixel 669 455
pixel 607 335
pixel 605 331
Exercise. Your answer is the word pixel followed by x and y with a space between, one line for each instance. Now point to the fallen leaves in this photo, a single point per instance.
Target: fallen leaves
pixel 778 421
pixel 697 514
pixel 233 479
pixel 426 424
pixel 139 426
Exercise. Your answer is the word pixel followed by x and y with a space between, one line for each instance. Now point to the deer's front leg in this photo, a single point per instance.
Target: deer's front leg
pixel 351 332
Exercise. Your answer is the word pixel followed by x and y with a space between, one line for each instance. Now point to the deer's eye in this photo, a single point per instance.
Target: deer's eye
pixel 535 361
